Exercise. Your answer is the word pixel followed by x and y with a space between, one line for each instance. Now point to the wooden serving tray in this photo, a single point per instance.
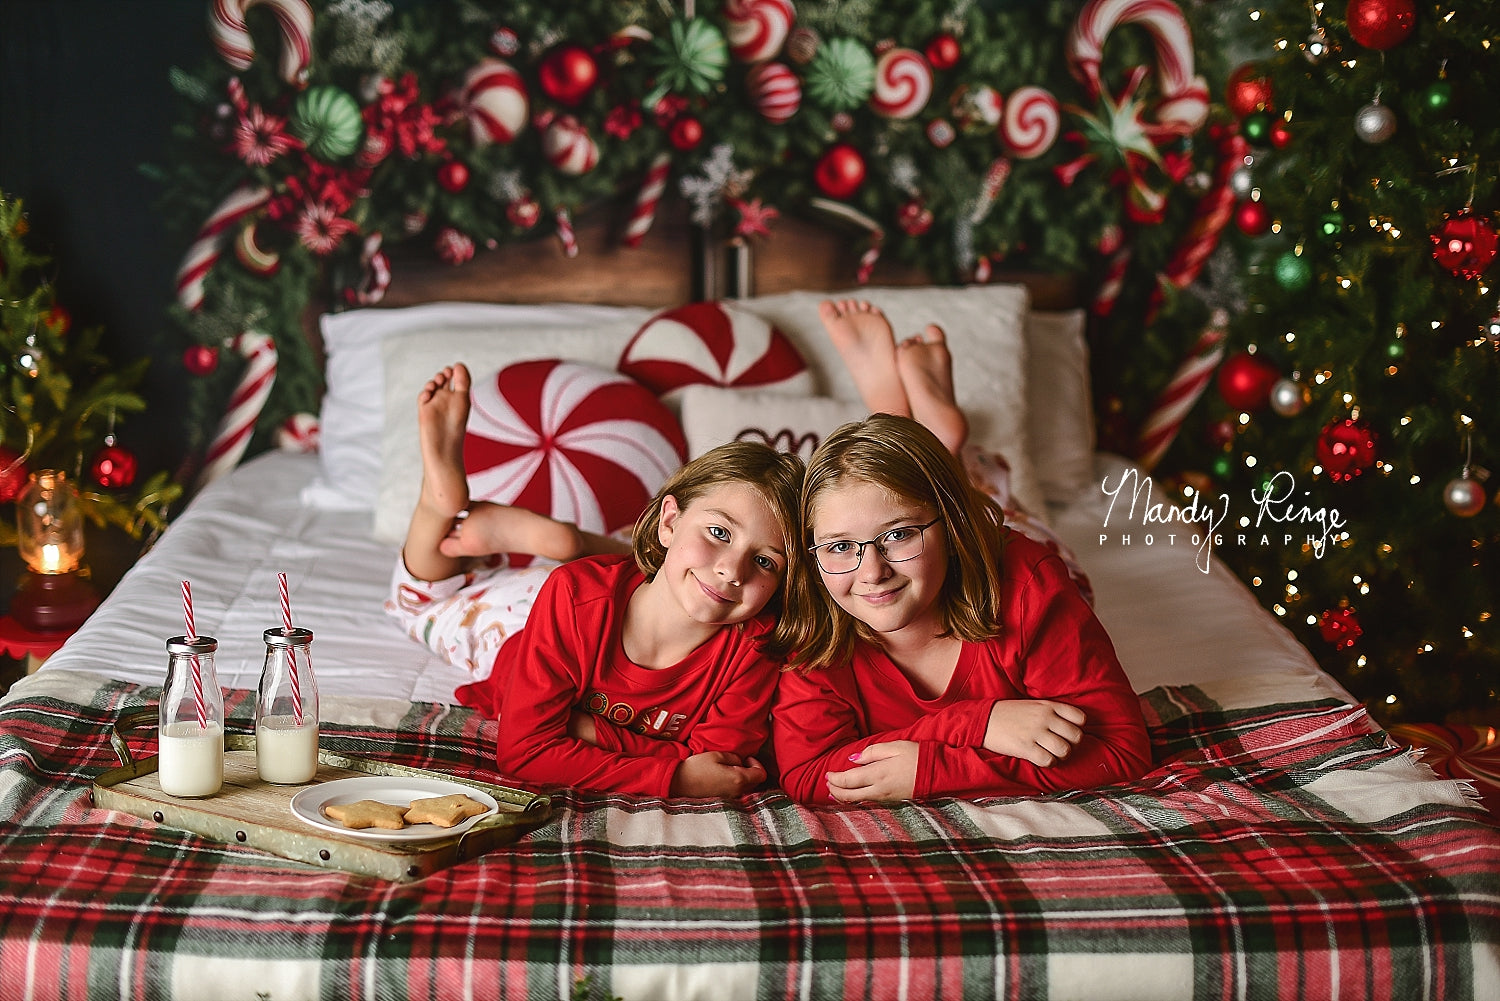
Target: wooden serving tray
pixel 257 814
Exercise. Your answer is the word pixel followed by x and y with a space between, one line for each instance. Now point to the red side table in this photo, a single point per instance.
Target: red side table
pixel 18 641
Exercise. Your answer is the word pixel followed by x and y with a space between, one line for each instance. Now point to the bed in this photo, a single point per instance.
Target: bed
pixel 1281 846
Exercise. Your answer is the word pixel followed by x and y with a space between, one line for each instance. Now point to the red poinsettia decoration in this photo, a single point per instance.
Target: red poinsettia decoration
pixel 622 120
pixel 1346 449
pixel 397 121
pixel 755 218
pixel 258 138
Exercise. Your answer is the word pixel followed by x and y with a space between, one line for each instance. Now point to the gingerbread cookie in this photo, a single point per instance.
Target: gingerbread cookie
pixel 444 811
pixel 367 813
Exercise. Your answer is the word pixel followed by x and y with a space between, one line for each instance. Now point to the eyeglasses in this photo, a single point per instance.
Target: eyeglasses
pixel 896 546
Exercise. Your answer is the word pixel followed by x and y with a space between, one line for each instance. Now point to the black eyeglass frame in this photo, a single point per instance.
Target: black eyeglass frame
pixel 921 533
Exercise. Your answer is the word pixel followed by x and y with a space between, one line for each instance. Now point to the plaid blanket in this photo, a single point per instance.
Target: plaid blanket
pixel 1275 851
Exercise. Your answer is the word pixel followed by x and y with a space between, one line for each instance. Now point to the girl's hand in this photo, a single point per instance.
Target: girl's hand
pixel 1037 730
pixel 884 772
pixel 717 773
pixel 581 727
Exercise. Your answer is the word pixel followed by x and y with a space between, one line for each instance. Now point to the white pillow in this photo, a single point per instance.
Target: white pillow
pixel 353 409
pixel 712 415
pixel 985 329
pixel 1060 405
pixel 410 359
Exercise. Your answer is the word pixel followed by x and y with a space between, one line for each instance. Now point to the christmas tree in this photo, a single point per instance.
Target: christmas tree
pixel 1359 396
pixel 63 397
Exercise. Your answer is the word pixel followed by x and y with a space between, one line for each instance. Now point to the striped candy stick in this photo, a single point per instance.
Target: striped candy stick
pixel 245 404
pixel 1182 391
pixel 647 200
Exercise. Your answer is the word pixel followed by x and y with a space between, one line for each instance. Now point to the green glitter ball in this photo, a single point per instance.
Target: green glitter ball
pixel 1395 350
pixel 841 75
pixel 1256 127
pixel 328 122
pixel 1222 466
pixel 1293 273
pixel 1331 226
pixel 1438 96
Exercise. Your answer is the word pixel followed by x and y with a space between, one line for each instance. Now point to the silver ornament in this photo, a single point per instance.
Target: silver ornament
pixel 1464 496
pixel 1375 123
pixel 1288 397
pixel 1316 46
pixel 1240 182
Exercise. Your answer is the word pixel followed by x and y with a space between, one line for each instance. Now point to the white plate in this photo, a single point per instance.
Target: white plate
pixel 397 790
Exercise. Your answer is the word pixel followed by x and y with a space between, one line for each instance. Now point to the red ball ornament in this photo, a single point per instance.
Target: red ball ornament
pixel 1346 449
pixel 1245 381
pixel 524 212
pixel 943 52
pixel 1381 24
pixel 686 133
pixel 1340 626
pixel 1253 218
pixel 1248 90
pixel 113 467
pixel 840 171
pixel 13 474
pixel 1281 134
pixel 200 359
pixel 567 73
pixel 914 218
pixel 59 319
pixel 453 175
pixel 1221 433
pixel 1465 244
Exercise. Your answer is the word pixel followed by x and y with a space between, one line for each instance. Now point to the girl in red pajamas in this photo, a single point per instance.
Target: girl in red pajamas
pixel 940 654
pixel 650 672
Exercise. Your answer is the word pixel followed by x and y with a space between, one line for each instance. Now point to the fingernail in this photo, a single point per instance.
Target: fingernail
pixel 854 756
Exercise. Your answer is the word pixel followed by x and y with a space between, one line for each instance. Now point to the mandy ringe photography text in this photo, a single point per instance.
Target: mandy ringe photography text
pixel 1275 510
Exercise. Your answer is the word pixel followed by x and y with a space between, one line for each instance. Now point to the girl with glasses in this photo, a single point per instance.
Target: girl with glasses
pixel 938 653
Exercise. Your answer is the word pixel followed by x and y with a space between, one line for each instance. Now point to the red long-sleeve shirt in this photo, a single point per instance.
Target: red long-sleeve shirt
pixel 570 656
pixel 1050 646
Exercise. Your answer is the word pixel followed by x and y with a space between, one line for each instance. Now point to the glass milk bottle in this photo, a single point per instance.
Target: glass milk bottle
pixel 190 735
pixel 286 710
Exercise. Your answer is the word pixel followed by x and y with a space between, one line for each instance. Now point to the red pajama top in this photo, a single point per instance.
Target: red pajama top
pixel 570 656
pixel 1050 646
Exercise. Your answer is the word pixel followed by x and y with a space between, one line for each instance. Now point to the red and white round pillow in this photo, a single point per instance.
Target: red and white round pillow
pixel 571 441
pixel 715 344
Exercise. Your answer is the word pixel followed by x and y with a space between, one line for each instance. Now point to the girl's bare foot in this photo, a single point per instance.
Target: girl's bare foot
pixel 442 414
pixel 926 371
pixel 864 339
pixel 499 528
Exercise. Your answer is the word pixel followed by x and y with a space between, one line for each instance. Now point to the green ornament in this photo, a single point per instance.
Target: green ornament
pixel 1293 273
pixel 1222 466
pixel 1256 127
pixel 841 75
pixel 1438 95
pixel 689 59
pixel 1331 226
pixel 1395 350
pixel 328 122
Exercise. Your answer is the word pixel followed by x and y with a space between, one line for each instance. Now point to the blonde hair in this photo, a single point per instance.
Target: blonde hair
pixel 901 456
pixel 776 476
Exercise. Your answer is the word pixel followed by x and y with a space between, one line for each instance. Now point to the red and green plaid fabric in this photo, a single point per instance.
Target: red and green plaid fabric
pixel 1275 851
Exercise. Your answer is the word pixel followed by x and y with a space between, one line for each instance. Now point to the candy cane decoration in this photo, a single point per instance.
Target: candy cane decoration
pixel 1162 19
pixel 853 215
pixel 1183 390
pixel 1212 215
pixel 994 179
pixel 208 245
pixel 868 259
pixel 565 233
pixel 647 199
pixel 1113 282
pixel 231 35
pixel 245 404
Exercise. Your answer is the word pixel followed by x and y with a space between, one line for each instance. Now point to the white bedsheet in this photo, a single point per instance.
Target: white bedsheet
pixel 1171 623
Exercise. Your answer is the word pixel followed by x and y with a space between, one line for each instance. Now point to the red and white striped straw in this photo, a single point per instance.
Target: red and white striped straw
pixel 291 652
pixel 192 634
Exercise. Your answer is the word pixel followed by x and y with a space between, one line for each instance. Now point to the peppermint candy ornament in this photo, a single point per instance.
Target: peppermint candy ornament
pixel 903 83
pixel 571 441
pixel 776 91
pixel 495 102
pixel 1030 122
pixel 568 146
pixel 757 29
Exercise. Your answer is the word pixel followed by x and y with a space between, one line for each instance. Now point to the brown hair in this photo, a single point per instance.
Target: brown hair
pixel 899 455
pixel 776 476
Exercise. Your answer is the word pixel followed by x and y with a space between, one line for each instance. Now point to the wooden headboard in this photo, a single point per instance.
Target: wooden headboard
pixel 677 262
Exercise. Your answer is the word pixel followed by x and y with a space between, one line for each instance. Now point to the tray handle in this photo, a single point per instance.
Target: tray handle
pixel 131 719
